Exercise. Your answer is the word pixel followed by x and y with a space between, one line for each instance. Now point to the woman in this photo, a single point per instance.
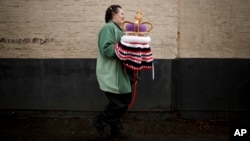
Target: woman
pixel 112 78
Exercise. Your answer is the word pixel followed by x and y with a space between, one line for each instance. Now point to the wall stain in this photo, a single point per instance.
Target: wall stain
pixel 27 40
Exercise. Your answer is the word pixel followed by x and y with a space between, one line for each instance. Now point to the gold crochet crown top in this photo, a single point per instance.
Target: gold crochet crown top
pixel 138 27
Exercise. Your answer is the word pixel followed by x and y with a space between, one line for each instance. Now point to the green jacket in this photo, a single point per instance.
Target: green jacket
pixel 109 70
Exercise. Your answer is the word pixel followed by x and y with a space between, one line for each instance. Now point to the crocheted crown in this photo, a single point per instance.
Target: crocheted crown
pixel 138 27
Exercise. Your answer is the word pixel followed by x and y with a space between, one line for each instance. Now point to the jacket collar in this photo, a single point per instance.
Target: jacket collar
pixel 116 25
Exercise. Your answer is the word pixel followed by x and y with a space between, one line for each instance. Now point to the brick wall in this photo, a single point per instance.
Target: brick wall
pixel 214 29
pixel 69 28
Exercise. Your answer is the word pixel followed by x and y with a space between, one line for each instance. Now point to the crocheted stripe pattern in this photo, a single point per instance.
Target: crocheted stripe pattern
pixel 135 52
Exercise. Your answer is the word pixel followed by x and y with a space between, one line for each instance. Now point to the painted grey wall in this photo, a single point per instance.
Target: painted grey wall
pixel 193 88
pixel 70 84
pixel 216 88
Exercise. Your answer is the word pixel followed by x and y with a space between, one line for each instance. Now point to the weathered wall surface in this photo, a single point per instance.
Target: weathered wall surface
pixel 68 29
pixel 214 29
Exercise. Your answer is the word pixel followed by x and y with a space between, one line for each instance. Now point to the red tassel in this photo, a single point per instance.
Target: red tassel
pixel 134 92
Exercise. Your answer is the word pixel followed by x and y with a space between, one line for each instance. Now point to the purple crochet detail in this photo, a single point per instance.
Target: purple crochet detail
pixel 130 27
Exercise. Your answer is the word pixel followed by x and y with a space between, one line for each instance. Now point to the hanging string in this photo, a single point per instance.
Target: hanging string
pixel 153 70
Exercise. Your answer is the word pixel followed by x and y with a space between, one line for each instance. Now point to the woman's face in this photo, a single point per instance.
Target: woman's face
pixel 118 17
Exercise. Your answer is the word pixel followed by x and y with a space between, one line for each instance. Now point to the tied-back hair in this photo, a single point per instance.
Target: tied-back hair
pixel 109 12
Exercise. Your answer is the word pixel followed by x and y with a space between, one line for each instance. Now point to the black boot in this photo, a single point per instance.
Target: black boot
pixel 99 127
pixel 118 133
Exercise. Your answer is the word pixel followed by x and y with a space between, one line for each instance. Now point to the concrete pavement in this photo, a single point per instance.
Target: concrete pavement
pixel 80 129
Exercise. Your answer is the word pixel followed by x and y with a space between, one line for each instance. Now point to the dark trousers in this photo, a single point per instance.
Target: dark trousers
pixel 115 109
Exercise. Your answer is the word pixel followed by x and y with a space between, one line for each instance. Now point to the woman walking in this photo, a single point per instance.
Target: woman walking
pixel 112 77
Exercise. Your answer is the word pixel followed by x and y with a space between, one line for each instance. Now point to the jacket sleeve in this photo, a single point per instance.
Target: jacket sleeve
pixel 106 42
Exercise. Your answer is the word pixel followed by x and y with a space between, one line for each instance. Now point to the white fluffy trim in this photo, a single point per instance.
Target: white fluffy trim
pixel 136 39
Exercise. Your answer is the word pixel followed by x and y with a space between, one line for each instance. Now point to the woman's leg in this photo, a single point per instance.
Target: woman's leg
pixel 117 107
pixel 113 112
